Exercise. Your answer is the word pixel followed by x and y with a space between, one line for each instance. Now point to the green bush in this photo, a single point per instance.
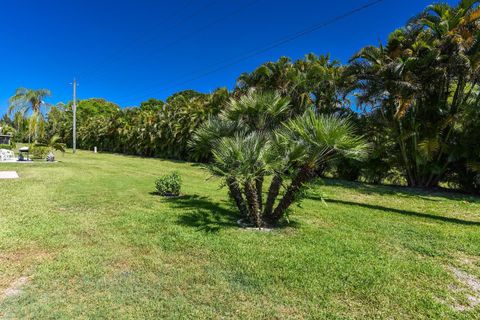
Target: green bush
pixel 6 146
pixel 39 152
pixel 169 185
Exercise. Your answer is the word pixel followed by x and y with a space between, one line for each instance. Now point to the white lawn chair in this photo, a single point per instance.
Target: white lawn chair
pixel 6 155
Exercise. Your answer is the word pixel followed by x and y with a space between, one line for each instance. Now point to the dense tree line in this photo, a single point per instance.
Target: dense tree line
pixel 415 99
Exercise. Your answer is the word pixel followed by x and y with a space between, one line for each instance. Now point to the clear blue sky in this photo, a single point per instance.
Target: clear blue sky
pixel 126 50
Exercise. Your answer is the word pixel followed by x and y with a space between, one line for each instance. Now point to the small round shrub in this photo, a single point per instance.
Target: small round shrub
pixel 39 152
pixel 169 185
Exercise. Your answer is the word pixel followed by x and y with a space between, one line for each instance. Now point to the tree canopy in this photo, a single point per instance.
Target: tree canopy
pixel 415 99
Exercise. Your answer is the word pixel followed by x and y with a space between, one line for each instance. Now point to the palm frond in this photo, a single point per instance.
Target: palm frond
pixel 429 147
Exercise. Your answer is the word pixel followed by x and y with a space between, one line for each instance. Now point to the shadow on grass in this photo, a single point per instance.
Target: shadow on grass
pixel 204 214
pixel 208 216
pixel 403 212
pixel 137 156
pixel 423 193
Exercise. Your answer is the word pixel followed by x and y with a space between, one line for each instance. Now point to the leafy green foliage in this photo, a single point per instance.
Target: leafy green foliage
pixel 55 144
pixel 6 146
pixel 39 151
pixel 169 184
pixel 26 101
pixel 422 83
pixel 156 129
pixel 417 106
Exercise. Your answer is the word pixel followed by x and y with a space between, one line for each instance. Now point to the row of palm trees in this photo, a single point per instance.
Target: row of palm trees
pixel 418 96
pixel 420 84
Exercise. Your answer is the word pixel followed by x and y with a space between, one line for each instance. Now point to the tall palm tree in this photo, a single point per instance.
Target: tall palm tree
pixel 460 21
pixel 29 100
pixel 26 100
pixel 281 76
pixel 421 80
pixel 322 82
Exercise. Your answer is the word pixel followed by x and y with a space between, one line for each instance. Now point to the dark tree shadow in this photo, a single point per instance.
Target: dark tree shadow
pixel 403 212
pixel 139 156
pixel 204 214
pixel 423 193
pixel 208 216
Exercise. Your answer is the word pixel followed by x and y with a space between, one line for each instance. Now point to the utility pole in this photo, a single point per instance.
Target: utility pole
pixel 74 115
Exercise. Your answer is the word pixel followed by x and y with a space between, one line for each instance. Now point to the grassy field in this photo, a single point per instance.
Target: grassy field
pixel 87 238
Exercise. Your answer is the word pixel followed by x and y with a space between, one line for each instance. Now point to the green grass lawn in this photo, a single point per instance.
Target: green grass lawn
pixel 87 238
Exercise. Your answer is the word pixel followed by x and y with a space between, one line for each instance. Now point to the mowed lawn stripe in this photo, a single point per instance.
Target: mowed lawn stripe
pixel 94 241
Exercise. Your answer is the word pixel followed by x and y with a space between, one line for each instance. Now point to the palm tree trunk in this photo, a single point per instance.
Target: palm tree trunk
pixel 458 99
pixel 415 145
pixel 237 196
pixel 459 92
pixel 252 201
pixel 403 151
pixel 273 192
pixel 304 175
pixel 259 188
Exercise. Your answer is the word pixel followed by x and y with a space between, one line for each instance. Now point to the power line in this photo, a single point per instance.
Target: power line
pixel 122 49
pixel 144 38
pixel 273 45
pixel 189 35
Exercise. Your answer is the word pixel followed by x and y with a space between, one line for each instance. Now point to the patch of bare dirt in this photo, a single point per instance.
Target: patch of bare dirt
pixel 15 268
pixel 467 286
pixel 15 288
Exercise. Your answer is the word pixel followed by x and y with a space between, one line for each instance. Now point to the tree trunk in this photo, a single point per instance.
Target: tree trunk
pixel 410 179
pixel 459 92
pixel 458 99
pixel 304 175
pixel 236 194
pixel 259 187
pixel 273 192
pixel 252 201
pixel 415 144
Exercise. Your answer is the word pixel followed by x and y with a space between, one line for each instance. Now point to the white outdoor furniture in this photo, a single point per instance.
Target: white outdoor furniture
pixel 7 155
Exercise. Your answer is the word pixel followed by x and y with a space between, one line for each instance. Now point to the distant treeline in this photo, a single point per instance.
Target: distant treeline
pixel 416 97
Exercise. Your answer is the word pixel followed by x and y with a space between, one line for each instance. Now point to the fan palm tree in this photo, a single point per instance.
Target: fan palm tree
pixel 241 159
pixel 309 142
pixel 259 140
pixel 255 111
pixel 281 76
